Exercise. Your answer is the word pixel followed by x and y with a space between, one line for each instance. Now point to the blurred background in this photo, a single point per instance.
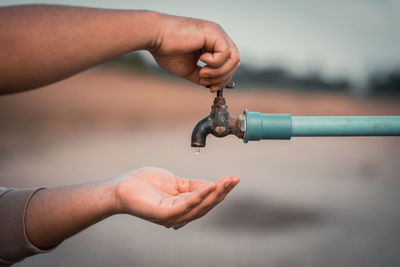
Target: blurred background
pixel 304 202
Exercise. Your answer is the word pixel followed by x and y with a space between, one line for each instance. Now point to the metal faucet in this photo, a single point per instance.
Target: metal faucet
pixel 255 126
pixel 219 123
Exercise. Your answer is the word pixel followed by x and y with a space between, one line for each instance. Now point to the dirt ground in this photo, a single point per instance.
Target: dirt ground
pixel 304 202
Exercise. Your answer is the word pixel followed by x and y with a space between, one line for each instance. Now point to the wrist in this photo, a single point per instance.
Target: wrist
pixel 117 195
pixel 146 27
pixel 108 201
pixel 156 30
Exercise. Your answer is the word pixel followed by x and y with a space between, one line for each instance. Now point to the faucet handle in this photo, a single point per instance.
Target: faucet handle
pixel 230 85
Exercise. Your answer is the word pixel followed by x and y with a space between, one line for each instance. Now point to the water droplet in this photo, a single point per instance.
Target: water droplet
pixel 197 150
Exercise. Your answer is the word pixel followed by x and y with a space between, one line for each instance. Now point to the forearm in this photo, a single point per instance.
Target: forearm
pixel 42 44
pixel 55 214
pixel 156 195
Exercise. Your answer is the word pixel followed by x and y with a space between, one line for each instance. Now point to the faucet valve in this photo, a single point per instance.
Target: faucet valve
pixel 219 123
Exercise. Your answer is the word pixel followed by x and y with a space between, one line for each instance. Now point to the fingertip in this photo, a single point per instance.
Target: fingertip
pixel 227 184
pixel 230 186
pixel 221 179
pixel 179 226
pixel 223 183
pixel 214 88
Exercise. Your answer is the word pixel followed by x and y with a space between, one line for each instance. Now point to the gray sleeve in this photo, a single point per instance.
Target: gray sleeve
pixel 14 244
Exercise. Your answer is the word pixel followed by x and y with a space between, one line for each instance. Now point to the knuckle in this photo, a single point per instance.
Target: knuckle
pixel 213 26
pixel 235 58
pixel 216 26
pixel 228 53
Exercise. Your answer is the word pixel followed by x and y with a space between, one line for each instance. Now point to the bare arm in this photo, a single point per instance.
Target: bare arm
pixel 153 194
pixel 41 44
pixel 44 44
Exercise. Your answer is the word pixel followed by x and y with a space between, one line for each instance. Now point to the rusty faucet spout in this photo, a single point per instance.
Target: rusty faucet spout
pixel 219 123
pixel 200 132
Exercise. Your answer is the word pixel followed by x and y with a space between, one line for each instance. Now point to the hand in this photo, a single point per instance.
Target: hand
pixel 182 42
pixel 159 196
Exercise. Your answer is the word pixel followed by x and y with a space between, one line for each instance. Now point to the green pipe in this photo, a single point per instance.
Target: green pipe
pixel 283 126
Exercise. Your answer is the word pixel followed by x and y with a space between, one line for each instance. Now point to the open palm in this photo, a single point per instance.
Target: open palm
pixel 159 196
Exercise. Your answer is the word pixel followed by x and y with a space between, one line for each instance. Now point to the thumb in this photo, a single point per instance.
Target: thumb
pixel 218 51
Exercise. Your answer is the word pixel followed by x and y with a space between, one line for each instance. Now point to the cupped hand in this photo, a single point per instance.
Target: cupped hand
pixel 161 197
pixel 182 42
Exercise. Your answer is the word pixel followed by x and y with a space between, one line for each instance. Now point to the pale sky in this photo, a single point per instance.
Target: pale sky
pixel 337 38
